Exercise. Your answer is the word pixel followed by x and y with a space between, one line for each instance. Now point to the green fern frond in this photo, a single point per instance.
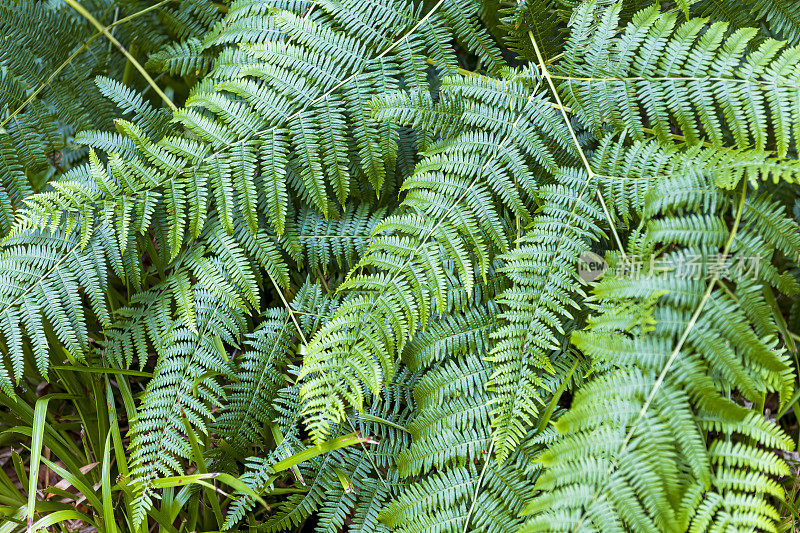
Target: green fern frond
pixel 541 17
pixel 259 369
pixel 190 18
pixel 627 172
pixel 450 501
pixel 249 399
pixel 336 243
pixel 155 122
pixel 783 17
pixel 182 59
pixel 367 218
pixel 333 106
pixel 541 306
pixel 695 78
pixel 634 455
pixel 14 184
pixel 43 276
pixel 450 207
pixel 184 384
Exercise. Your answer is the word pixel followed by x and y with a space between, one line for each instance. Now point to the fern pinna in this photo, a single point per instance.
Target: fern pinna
pixel 322 264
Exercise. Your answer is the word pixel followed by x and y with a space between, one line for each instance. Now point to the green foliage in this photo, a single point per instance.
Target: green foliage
pixel 450 209
pixel 43 278
pixel 282 265
pixel 541 306
pixel 695 78
pixel 674 348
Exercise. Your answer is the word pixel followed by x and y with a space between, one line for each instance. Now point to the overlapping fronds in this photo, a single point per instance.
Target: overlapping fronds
pixel 450 210
pixel 656 442
pixel 541 306
pixel 394 265
pixel 692 78
pixel 626 171
pixel 44 279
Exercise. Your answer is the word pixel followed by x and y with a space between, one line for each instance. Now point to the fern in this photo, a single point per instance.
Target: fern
pixel 40 284
pixel 627 171
pixel 184 385
pixel 449 208
pixel 292 265
pixel 664 405
pixel 328 244
pixel 451 434
pixel 50 58
pixel 781 18
pixel 696 76
pixel 541 306
pixel 259 379
pixel 543 18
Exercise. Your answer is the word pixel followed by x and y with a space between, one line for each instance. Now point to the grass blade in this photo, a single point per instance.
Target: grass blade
pixel 37 436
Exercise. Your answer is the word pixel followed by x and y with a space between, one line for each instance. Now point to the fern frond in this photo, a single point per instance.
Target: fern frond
pixel 14 184
pixel 41 276
pixel 279 108
pixel 656 442
pixel 540 308
pixel 184 384
pixel 450 207
pixel 182 59
pixel 783 17
pixel 153 121
pixel 695 78
pixel 626 172
pixel 543 18
pixel 332 243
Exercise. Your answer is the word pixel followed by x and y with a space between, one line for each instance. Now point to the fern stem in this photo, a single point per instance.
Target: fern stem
pixel 589 171
pixel 478 483
pixel 72 57
pixel 88 16
pixel 546 75
pixel 313 314
pixel 288 309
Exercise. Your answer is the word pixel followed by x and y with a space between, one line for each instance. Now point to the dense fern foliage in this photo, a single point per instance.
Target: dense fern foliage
pixel 399 265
